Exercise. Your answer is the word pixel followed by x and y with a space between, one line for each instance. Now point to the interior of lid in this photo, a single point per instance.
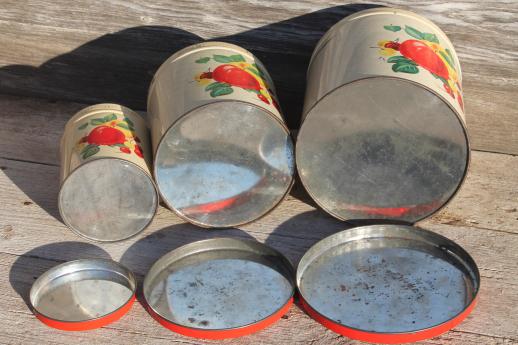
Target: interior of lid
pixel 388 279
pixel 382 148
pixel 82 290
pixel 218 288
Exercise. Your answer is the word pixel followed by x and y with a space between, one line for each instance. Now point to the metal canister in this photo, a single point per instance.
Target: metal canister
pixel 383 133
pixel 223 154
pixel 107 192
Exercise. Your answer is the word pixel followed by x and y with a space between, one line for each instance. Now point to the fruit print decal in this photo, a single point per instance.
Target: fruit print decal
pixel 234 71
pixel 109 131
pixel 423 50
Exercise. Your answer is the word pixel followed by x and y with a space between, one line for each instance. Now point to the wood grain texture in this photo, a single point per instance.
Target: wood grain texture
pixel 32 240
pixel 93 51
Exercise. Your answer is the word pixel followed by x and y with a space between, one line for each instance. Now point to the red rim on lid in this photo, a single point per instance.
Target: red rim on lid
pixel 83 294
pixel 388 283
pixel 219 288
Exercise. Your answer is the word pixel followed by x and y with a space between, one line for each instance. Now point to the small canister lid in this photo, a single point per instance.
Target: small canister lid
pixel 388 283
pixel 219 288
pixel 83 294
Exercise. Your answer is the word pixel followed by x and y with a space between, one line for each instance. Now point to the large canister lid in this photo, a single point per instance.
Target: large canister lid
pixel 388 283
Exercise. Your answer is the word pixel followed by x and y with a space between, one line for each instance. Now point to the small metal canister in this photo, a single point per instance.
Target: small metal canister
pixel 107 192
pixel 223 154
pixel 383 133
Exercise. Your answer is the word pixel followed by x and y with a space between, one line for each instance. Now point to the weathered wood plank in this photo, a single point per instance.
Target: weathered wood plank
pixel 32 239
pixel 108 50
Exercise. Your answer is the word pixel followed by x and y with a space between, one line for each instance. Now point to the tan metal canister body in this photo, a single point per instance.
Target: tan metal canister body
pixel 383 133
pixel 223 154
pixel 107 192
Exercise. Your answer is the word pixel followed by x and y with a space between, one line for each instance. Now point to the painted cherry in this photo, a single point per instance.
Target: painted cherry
pixel 125 149
pixel 234 76
pixel 104 135
pixel 138 151
pixel 421 54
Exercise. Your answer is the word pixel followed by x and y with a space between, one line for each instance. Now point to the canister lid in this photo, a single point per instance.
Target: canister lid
pixel 388 283
pixel 219 288
pixel 83 294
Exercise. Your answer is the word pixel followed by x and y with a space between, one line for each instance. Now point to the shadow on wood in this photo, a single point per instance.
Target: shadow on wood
pixel 297 234
pixel 28 267
pixel 118 67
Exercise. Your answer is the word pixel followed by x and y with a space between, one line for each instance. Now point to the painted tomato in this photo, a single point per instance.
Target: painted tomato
pixel 105 135
pixel 424 56
pixel 235 76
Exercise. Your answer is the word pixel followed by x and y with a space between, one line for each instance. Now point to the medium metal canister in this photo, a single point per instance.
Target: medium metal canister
pixel 107 192
pixel 223 154
pixel 383 133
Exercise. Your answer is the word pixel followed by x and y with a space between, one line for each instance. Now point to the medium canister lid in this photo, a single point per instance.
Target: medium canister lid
pixel 388 283
pixel 83 294
pixel 219 288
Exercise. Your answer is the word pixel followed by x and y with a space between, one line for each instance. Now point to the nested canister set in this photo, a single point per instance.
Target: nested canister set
pixel 383 143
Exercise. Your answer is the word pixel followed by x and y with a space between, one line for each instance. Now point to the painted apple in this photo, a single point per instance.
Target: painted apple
pixel 423 55
pixel 235 76
pixel 105 135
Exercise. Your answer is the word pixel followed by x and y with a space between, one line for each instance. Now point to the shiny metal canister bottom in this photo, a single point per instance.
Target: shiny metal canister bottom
pixel 224 164
pixel 108 199
pixel 382 148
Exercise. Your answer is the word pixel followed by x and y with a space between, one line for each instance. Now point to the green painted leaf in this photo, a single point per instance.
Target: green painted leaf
pixel 216 85
pixel 97 122
pixel 123 125
pixel 222 58
pixel 261 73
pixel 203 60
pixel 405 68
pixel 118 145
pixel 447 58
pixel 429 37
pixel 254 71
pixel 393 28
pixel 237 58
pixel 413 32
pixel 111 117
pixel 221 91
pixel 129 122
pixel 400 59
pixel 449 53
pixel 83 126
pixel 89 151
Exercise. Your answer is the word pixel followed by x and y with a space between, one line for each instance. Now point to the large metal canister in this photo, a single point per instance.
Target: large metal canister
pixel 223 154
pixel 107 192
pixel 383 133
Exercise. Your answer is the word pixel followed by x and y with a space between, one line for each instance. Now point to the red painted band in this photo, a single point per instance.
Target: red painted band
pixel 89 324
pixel 221 334
pixel 388 338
